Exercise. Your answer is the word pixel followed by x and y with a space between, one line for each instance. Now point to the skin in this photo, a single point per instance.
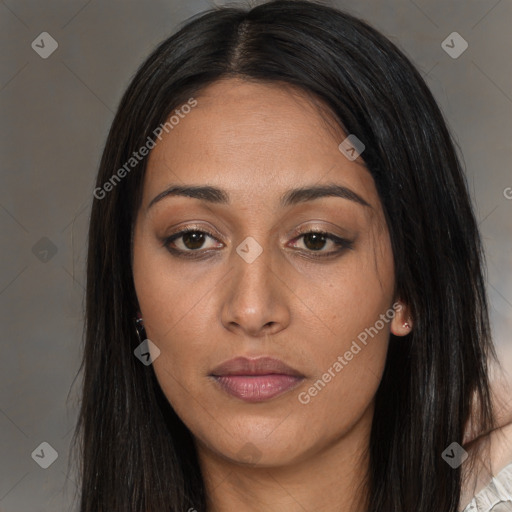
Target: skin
pixel 257 141
pixel 492 451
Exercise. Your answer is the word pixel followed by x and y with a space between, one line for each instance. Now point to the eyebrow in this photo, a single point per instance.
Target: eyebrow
pixel 291 197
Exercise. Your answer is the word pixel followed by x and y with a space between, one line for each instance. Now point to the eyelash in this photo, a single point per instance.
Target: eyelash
pixel 341 243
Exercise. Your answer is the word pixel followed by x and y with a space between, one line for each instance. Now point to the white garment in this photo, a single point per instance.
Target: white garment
pixel 495 496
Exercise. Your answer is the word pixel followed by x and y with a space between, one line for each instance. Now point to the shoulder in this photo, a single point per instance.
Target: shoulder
pixel 491 453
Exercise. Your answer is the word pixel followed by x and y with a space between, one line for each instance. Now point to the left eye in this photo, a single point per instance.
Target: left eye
pixel 315 241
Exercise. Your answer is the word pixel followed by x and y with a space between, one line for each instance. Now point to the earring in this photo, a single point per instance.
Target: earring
pixel 139 327
pixel 406 325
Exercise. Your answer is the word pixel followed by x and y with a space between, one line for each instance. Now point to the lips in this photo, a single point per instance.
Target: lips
pixel 256 380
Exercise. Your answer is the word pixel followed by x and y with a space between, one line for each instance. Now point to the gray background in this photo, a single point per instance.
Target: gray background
pixel 55 114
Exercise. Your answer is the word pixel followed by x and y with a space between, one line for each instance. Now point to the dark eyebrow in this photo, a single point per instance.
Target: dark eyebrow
pixel 291 197
pixel 300 195
pixel 206 193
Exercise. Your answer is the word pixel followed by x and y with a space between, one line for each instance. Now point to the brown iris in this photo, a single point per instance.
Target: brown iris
pixel 193 239
pixel 316 241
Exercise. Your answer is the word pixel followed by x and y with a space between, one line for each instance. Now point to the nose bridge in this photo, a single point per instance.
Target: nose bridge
pixel 255 300
pixel 253 273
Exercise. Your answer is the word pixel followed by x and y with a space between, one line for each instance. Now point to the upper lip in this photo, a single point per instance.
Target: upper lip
pixel 256 366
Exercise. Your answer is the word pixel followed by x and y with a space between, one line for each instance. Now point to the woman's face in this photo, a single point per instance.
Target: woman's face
pixel 251 283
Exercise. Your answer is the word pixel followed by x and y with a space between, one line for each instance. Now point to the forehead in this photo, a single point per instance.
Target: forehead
pixel 255 140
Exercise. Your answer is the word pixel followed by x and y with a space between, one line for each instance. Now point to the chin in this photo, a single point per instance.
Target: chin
pixel 250 449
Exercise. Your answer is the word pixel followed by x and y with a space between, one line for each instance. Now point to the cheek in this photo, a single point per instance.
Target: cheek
pixel 350 301
pixel 348 363
pixel 168 295
pixel 178 315
pixel 357 310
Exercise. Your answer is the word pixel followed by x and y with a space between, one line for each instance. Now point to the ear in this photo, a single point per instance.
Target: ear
pixel 402 322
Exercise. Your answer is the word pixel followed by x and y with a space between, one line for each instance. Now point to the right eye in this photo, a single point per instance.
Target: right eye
pixel 188 240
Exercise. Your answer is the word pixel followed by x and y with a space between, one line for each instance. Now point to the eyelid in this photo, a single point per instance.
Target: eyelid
pixel 341 244
pixel 195 227
pixel 319 226
pixel 187 229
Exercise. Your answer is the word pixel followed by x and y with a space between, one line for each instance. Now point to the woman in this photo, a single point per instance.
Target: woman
pixel 280 207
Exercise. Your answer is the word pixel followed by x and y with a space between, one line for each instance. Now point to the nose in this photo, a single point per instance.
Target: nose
pixel 255 303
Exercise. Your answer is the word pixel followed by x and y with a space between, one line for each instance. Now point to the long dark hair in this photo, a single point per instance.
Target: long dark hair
pixel 135 453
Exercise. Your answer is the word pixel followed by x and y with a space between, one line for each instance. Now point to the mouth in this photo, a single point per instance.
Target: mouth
pixel 256 380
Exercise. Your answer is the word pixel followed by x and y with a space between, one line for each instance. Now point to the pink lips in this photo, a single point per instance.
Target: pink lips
pixel 256 380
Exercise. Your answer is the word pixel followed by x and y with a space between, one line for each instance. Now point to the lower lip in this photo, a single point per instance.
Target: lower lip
pixel 257 388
